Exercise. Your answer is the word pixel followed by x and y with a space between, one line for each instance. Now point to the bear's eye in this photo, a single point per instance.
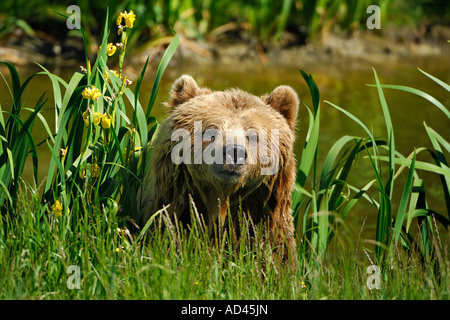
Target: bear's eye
pixel 210 133
pixel 252 136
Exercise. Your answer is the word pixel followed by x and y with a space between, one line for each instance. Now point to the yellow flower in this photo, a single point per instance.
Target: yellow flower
pixel 97 117
pixel 57 209
pixel 114 72
pixel 83 173
pixel 106 121
pixel 91 93
pixel 128 17
pixel 111 49
pixel 86 117
pixel 119 18
pixel 117 250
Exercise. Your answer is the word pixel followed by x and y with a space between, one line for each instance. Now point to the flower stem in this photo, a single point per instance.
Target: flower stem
pixel 123 39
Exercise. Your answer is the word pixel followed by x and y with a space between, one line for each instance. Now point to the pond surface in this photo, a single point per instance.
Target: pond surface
pixel 341 84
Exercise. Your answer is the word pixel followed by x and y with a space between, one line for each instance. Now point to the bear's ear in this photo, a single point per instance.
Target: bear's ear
pixel 285 100
pixel 184 89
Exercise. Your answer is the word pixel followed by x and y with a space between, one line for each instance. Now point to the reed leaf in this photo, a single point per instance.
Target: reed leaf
pixel 167 56
pixel 419 93
pixel 404 201
pixel 438 81
pixel 420 165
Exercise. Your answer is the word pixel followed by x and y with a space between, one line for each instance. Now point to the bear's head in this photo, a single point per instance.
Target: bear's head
pixel 224 151
pixel 231 141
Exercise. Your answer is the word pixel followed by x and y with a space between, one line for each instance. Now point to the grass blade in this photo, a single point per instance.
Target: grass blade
pixel 56 93
pixel 416 202
pixel 420 165
pixel 360 193
pixel 315 94
pixel 309 150
pixel 309 154
pixel 328 169
pixel 439 82
pixel 167 56
pixel 389 188
pixel 15 79
pixel 419 93
pixel 404 201
pixel 440 161
pixel 138 86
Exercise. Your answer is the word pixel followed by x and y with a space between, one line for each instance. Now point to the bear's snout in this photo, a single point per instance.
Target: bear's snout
pixel 233 166
pixel 234 155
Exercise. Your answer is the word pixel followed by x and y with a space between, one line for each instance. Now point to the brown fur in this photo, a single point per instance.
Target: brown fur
pixel 267 199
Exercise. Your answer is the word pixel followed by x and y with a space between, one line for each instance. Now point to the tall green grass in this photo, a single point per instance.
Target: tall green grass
pixel 37 249
pixel 320 203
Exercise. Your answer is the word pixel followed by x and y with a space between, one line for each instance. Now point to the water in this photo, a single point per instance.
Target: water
pixel 341 84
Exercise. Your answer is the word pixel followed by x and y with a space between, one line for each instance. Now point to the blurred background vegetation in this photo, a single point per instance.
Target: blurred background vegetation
pixel 27 25
pixel 285 22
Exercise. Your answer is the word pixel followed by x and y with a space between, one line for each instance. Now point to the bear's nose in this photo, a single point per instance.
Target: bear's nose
pixel 234 154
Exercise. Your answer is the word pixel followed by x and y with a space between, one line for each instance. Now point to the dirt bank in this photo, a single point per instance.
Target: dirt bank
pixel 361 48
pixel 368 46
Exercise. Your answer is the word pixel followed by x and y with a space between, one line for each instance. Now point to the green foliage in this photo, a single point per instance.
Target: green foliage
pixel 172 264
pixel 17 142
pixel 261 20
pixel 96 148
pixel 316 208
pixel 320 208
pixel 99 158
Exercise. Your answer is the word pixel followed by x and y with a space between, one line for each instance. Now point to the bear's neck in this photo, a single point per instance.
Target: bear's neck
pixel 214 203
pixel 211 202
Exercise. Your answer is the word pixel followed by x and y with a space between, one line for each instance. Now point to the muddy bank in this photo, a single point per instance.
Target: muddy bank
pixel 360 48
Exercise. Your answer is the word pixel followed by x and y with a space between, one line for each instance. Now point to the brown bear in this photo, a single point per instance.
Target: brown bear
pixel 225 150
